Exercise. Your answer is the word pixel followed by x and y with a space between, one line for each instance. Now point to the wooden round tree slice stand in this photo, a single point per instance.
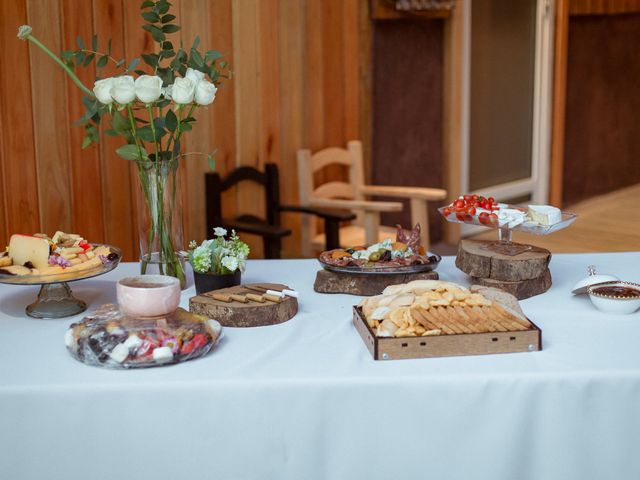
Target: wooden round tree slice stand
pixel 523 275
pixel 249 314
pixel 363 284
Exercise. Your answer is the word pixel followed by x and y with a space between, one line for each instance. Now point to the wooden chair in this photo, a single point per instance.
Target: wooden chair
pixel 353 195
pixel 269 229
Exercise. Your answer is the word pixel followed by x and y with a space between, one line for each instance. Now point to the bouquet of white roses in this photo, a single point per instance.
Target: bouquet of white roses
pixel 219 255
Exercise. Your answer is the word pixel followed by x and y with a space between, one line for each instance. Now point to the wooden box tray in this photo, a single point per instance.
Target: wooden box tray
pixel 388 348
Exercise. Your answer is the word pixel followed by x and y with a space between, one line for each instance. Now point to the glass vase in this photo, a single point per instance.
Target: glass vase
pixel 159 200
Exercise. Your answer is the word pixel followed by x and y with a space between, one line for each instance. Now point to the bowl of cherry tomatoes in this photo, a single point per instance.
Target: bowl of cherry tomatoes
pixel 472 209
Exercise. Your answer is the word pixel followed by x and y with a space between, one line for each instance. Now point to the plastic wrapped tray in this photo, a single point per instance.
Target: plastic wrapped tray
pixel 109 338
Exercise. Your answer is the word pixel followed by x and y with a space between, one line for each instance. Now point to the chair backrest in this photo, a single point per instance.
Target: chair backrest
pixel 215 185
pixel 309 164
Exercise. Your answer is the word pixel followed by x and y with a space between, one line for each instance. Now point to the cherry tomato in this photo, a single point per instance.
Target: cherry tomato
pixel 471 210
pixel 460 216
pixel 474 197
pixel 491 200
pixel 467 197
pixel 493 218
pixel 446 211
pixel 483 217
pixel 458 204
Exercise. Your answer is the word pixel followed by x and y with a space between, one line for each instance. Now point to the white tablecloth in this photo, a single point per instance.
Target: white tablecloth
pixel 305 400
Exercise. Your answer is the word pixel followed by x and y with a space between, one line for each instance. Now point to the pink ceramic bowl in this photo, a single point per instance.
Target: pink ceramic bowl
pixel 148 295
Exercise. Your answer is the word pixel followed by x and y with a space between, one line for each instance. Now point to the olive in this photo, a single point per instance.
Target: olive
pixel 350 251
pixel 112 256
pixel 386 256
pixel 374 257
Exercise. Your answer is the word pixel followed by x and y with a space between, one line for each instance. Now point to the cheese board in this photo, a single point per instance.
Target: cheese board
pixel 250 305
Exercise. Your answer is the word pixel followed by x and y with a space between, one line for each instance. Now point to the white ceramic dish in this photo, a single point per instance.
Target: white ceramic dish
pixel 611 302
pixel 148 295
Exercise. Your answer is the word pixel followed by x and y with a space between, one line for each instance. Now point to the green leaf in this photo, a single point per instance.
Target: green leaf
pixel 212 161
pixel 147 4
pixel 171 121
pixel 94 43
pixel 196 42
pixel 120 63
pixel 167 45
pixel 167 53
pixel 102 61
pixel 67 55
pixel 163 7
pixel 185 127
pixel 151 59
pixel 111 132
pixel 80 43
pixel 132 152
pixel 196 60
pixel 212 55
pixel 109 47
pixel 170 28
pixel 151 17
pixel 167 18
pixel 146 134
pixel 119 123
pixel 88 60
pixel 155 32
pixel 133 64
pixel 139 72
pixel 86 141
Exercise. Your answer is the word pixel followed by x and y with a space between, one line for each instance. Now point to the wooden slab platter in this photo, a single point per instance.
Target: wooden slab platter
pixel 367 285
pixel 251 312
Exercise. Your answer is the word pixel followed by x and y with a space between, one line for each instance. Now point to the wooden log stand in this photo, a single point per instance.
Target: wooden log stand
pixel 249 314
pixel 363 284
pixel 523 275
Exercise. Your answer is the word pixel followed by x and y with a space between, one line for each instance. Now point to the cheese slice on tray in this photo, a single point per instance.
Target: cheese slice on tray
pixel 27 248
pixel 545 214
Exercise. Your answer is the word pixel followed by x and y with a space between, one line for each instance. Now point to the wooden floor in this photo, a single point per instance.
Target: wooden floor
pixel 608 223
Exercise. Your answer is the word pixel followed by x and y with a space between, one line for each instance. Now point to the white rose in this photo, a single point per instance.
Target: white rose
pixel 205 92
pixel 182 90
pixel 102 90
pixel 194 75
pixel 123 89
pixel 219 232
pixel 230 263
pixel 148 88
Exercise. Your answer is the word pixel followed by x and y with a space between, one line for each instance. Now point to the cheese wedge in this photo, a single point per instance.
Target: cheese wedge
pixel 545 214
pixel 27 248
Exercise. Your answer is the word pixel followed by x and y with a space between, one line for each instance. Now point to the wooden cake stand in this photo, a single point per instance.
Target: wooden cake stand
pixel 523 274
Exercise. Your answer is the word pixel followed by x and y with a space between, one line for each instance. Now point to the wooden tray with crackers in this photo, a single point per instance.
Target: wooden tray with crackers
pixel 250 305
pixel 431 318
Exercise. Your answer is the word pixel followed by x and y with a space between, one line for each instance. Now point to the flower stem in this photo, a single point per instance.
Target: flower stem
pixel 55 58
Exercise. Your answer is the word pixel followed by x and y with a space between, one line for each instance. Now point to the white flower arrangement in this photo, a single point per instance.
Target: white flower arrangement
pixel 219 255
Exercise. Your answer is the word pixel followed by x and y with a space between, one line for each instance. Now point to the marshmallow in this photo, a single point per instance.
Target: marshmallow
pixel 162 354
pixel 119 353
pixel 132 342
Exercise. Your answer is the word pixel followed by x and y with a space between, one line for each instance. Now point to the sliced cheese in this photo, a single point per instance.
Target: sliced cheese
pixel 545 214
pixel 27 248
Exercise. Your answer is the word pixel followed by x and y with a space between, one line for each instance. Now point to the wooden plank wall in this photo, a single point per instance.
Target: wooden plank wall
pixel 297 84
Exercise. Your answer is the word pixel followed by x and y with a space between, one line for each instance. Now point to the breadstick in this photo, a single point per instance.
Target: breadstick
pixel 239 298
pixel 255 298
pixel 221 297
pixel 272 298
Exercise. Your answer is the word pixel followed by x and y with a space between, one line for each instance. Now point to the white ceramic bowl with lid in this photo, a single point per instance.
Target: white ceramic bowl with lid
pixel 615 297
pixel 148 295
pixel 583 285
